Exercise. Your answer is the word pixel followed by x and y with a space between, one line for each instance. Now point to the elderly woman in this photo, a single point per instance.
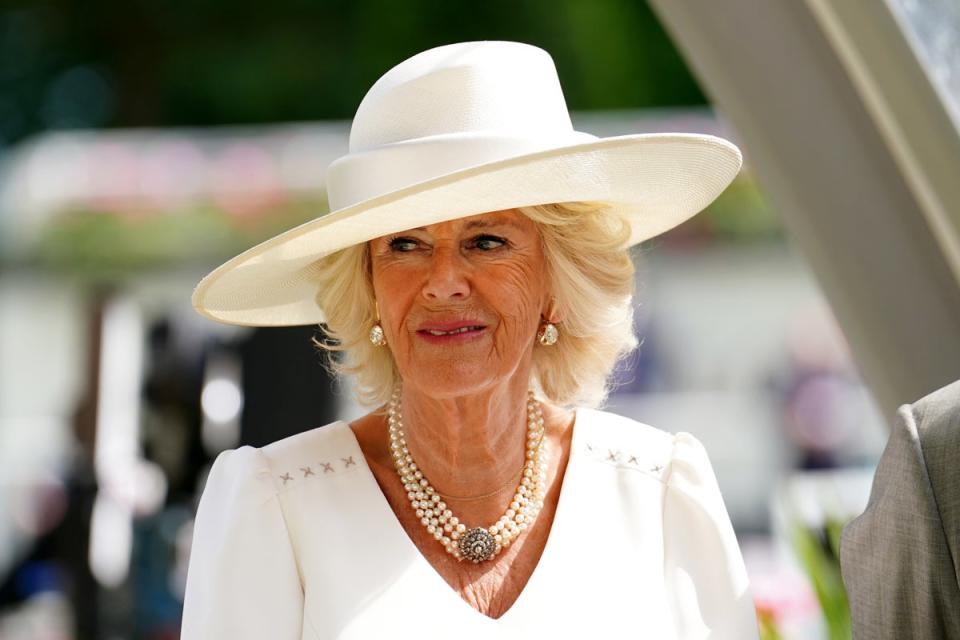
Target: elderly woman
pixel 474 274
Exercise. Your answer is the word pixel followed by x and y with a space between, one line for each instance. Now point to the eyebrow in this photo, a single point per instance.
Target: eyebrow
pixel 482 224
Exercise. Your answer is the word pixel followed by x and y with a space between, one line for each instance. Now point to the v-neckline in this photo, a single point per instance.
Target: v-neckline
pixel 435 576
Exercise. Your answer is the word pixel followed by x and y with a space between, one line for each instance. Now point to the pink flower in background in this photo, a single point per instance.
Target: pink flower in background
pixel 245 181
pixel 173 173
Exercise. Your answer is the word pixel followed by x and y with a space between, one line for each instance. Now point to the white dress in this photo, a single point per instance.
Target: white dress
pixel 296 540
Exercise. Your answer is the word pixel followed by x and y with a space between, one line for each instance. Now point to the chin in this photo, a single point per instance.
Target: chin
pixel 440 382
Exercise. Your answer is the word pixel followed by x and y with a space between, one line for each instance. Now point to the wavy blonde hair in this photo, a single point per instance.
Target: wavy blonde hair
pixel 591 277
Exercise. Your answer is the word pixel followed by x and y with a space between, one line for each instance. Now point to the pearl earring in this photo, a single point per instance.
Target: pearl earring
pixel 548 334
pixel 377 338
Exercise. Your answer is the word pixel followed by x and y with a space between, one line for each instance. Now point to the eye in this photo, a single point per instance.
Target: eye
pixel 488 243
pixel 403 244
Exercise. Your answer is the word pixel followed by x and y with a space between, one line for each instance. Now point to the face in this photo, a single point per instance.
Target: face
pixel 460 301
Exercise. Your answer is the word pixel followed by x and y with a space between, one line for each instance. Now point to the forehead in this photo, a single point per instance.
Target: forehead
pixel 509 217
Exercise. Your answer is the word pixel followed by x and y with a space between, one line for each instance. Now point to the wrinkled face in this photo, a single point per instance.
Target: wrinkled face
pixel 460 301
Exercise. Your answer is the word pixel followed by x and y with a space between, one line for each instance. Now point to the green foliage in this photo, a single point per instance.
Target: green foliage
pixel 208 62
pixel 742 213
pixel 768 625
pixel 109 246
pixel 819 553
pixel 739 215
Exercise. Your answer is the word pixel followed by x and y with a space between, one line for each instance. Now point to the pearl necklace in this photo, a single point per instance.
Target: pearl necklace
pixel 476 544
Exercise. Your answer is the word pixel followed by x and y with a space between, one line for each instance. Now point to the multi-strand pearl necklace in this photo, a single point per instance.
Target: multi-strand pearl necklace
pixel 476 544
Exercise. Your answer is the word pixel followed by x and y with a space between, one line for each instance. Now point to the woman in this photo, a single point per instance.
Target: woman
pixel 474 273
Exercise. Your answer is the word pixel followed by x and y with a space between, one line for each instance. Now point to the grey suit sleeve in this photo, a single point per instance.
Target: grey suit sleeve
pixel 898 558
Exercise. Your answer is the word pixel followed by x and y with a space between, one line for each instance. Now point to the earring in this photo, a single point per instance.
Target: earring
pixel 377 338
pixel 548 334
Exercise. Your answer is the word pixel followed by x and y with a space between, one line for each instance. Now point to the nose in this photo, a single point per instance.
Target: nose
pixel 447 276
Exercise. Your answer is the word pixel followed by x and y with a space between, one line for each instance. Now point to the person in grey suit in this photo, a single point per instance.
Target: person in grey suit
pixel 899 559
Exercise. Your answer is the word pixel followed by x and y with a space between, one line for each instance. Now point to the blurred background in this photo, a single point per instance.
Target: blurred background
pixel 143 143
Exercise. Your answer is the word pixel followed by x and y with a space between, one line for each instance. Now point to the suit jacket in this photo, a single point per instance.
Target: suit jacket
pixel 900 557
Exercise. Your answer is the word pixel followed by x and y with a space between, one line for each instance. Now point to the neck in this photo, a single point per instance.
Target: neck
pixel 469 445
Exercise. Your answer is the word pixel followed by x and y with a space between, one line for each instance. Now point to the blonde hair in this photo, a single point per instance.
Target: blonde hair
pixel 591 278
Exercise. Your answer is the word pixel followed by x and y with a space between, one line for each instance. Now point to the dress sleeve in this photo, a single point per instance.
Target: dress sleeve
pixel 242 580
pixel 704 571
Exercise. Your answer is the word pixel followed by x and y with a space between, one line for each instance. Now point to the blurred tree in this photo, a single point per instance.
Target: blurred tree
pixel 107 63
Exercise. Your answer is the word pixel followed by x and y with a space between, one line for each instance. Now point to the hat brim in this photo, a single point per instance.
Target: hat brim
pixel 655 181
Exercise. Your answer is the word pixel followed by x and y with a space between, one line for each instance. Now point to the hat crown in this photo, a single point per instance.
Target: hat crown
pixel 490 88
pixel 453 132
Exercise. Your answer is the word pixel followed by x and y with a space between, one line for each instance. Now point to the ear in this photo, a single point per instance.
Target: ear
pixel 551 311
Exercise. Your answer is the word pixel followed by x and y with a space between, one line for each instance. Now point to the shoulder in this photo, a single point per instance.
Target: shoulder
pixel 921 448
pixel 610 428
pixel 917 466
pixel 258 473
pixel 619 441
pixel 324 452
pixel 914 502
pixel 938 428
pixel 936 420
pixel 940 405
pixel 914 493
pixel 328 437
pixel 237 476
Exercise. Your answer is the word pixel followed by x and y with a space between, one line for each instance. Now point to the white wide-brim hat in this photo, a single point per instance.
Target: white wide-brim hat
pixel 455 131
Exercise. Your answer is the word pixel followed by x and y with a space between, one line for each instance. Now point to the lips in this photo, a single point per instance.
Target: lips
pixel 452 332
pixel 443 331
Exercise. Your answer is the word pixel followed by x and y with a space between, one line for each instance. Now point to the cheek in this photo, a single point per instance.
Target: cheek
pixel 519 296
pixel 395 289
